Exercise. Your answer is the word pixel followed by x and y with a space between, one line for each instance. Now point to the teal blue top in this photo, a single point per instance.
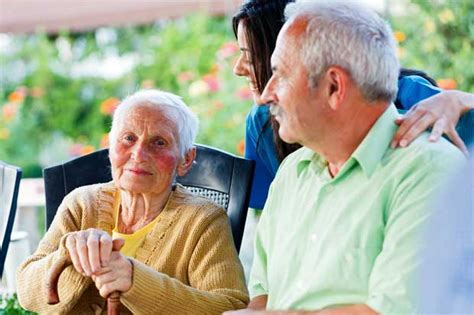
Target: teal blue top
pixel 352 239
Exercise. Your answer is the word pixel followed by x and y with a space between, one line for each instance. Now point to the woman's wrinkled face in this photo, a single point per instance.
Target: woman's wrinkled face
pixel 145 153
pixel 244 66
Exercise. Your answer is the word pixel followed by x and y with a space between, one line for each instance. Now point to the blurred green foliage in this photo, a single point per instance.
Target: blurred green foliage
pixel 438 36
pixel 57 93
pixel 9 305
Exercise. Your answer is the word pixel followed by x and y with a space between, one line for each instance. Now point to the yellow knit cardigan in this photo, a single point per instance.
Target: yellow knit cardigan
pixel 186 265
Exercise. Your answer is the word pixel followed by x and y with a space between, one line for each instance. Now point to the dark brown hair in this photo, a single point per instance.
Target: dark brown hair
pixel 263 20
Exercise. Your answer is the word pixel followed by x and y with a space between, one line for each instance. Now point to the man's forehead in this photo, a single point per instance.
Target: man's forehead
pixel 285 44
pixel 296 26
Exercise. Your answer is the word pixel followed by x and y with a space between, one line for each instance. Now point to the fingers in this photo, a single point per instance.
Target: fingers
pixel 438 130
pixel 118 244
pixel 454 137
pixel 116 277
pixel 406 123
pixel 71 247
pixel 90 250
pixel 417 128
pixel 93 251
pixel 105 249
pixel 83 252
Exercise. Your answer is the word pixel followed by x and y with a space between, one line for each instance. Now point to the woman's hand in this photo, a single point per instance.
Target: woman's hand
pixel 441 111
pixel 117 276
pixel 90 250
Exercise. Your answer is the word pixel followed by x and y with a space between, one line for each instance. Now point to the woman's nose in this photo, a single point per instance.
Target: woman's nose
pixel 240 69
pixel 139 152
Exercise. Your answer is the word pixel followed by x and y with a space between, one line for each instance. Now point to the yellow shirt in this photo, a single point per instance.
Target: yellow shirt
pixel 134 240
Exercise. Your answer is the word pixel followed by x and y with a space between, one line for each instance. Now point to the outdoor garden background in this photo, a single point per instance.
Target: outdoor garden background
pixel 58 91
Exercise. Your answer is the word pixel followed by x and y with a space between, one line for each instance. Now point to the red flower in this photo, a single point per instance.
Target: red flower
pixel 212 82
pixel 244 93
pixel 227 49
pixel 185 76
pixel 9 110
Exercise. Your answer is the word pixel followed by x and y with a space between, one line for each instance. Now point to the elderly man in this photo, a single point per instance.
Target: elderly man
pixel 340 231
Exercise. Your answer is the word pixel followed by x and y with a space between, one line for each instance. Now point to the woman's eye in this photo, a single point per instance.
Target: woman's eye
pixel 128 138
pixel 159 142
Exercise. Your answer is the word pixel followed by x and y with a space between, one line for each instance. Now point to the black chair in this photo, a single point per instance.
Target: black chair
pixel 9 185
pixel 218 175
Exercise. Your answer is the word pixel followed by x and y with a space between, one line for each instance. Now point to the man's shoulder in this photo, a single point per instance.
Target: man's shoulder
pixel 302 154
pixel 426 154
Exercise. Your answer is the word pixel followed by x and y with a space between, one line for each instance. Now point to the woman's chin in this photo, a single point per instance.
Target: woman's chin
pixel 257 98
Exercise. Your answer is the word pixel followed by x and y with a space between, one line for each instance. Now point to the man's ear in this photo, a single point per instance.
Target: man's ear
pixel 187 162
pixel 337 79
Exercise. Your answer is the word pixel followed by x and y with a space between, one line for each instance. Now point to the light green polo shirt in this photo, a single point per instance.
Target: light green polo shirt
pixel 353 239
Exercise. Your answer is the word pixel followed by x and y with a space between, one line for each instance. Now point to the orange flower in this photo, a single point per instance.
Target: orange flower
pixel 447 84
pixel 17 96
pixel 86 149
pixel 108 106
pixel 399 36
pixel 241 147
pixel 214 69
pixel 104 142
pixel 9 110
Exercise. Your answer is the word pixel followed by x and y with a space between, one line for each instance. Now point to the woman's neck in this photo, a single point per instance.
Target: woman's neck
pixel 137 210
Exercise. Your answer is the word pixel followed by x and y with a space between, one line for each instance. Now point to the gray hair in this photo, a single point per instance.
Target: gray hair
pixel 350 36
pixel 186 121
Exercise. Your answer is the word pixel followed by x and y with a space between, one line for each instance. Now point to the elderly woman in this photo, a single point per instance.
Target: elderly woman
pixel 178 255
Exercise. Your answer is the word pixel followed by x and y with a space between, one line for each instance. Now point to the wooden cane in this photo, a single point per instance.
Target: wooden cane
pixel 113 300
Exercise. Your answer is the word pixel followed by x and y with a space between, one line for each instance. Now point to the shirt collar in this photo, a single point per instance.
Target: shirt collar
pixel 368 154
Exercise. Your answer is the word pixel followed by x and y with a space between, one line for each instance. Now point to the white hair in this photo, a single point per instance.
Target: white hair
pixel 186 121
pixel 347 35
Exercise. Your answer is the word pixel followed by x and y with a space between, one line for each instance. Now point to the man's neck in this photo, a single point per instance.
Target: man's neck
pixel 339 145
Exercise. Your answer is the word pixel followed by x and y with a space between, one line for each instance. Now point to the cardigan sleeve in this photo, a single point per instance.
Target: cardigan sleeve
pixel 32 273
pixel 215 276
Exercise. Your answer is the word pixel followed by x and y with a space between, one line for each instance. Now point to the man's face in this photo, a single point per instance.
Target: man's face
pixel 293 103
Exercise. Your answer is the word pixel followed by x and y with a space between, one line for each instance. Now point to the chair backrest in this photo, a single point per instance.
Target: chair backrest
pixel 9 185
pixel 218 175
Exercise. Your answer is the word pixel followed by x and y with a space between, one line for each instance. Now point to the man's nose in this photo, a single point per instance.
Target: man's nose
pixel 268 94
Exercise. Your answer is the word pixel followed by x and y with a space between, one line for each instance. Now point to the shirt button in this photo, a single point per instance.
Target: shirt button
pixel 349 258
pixel 313 237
